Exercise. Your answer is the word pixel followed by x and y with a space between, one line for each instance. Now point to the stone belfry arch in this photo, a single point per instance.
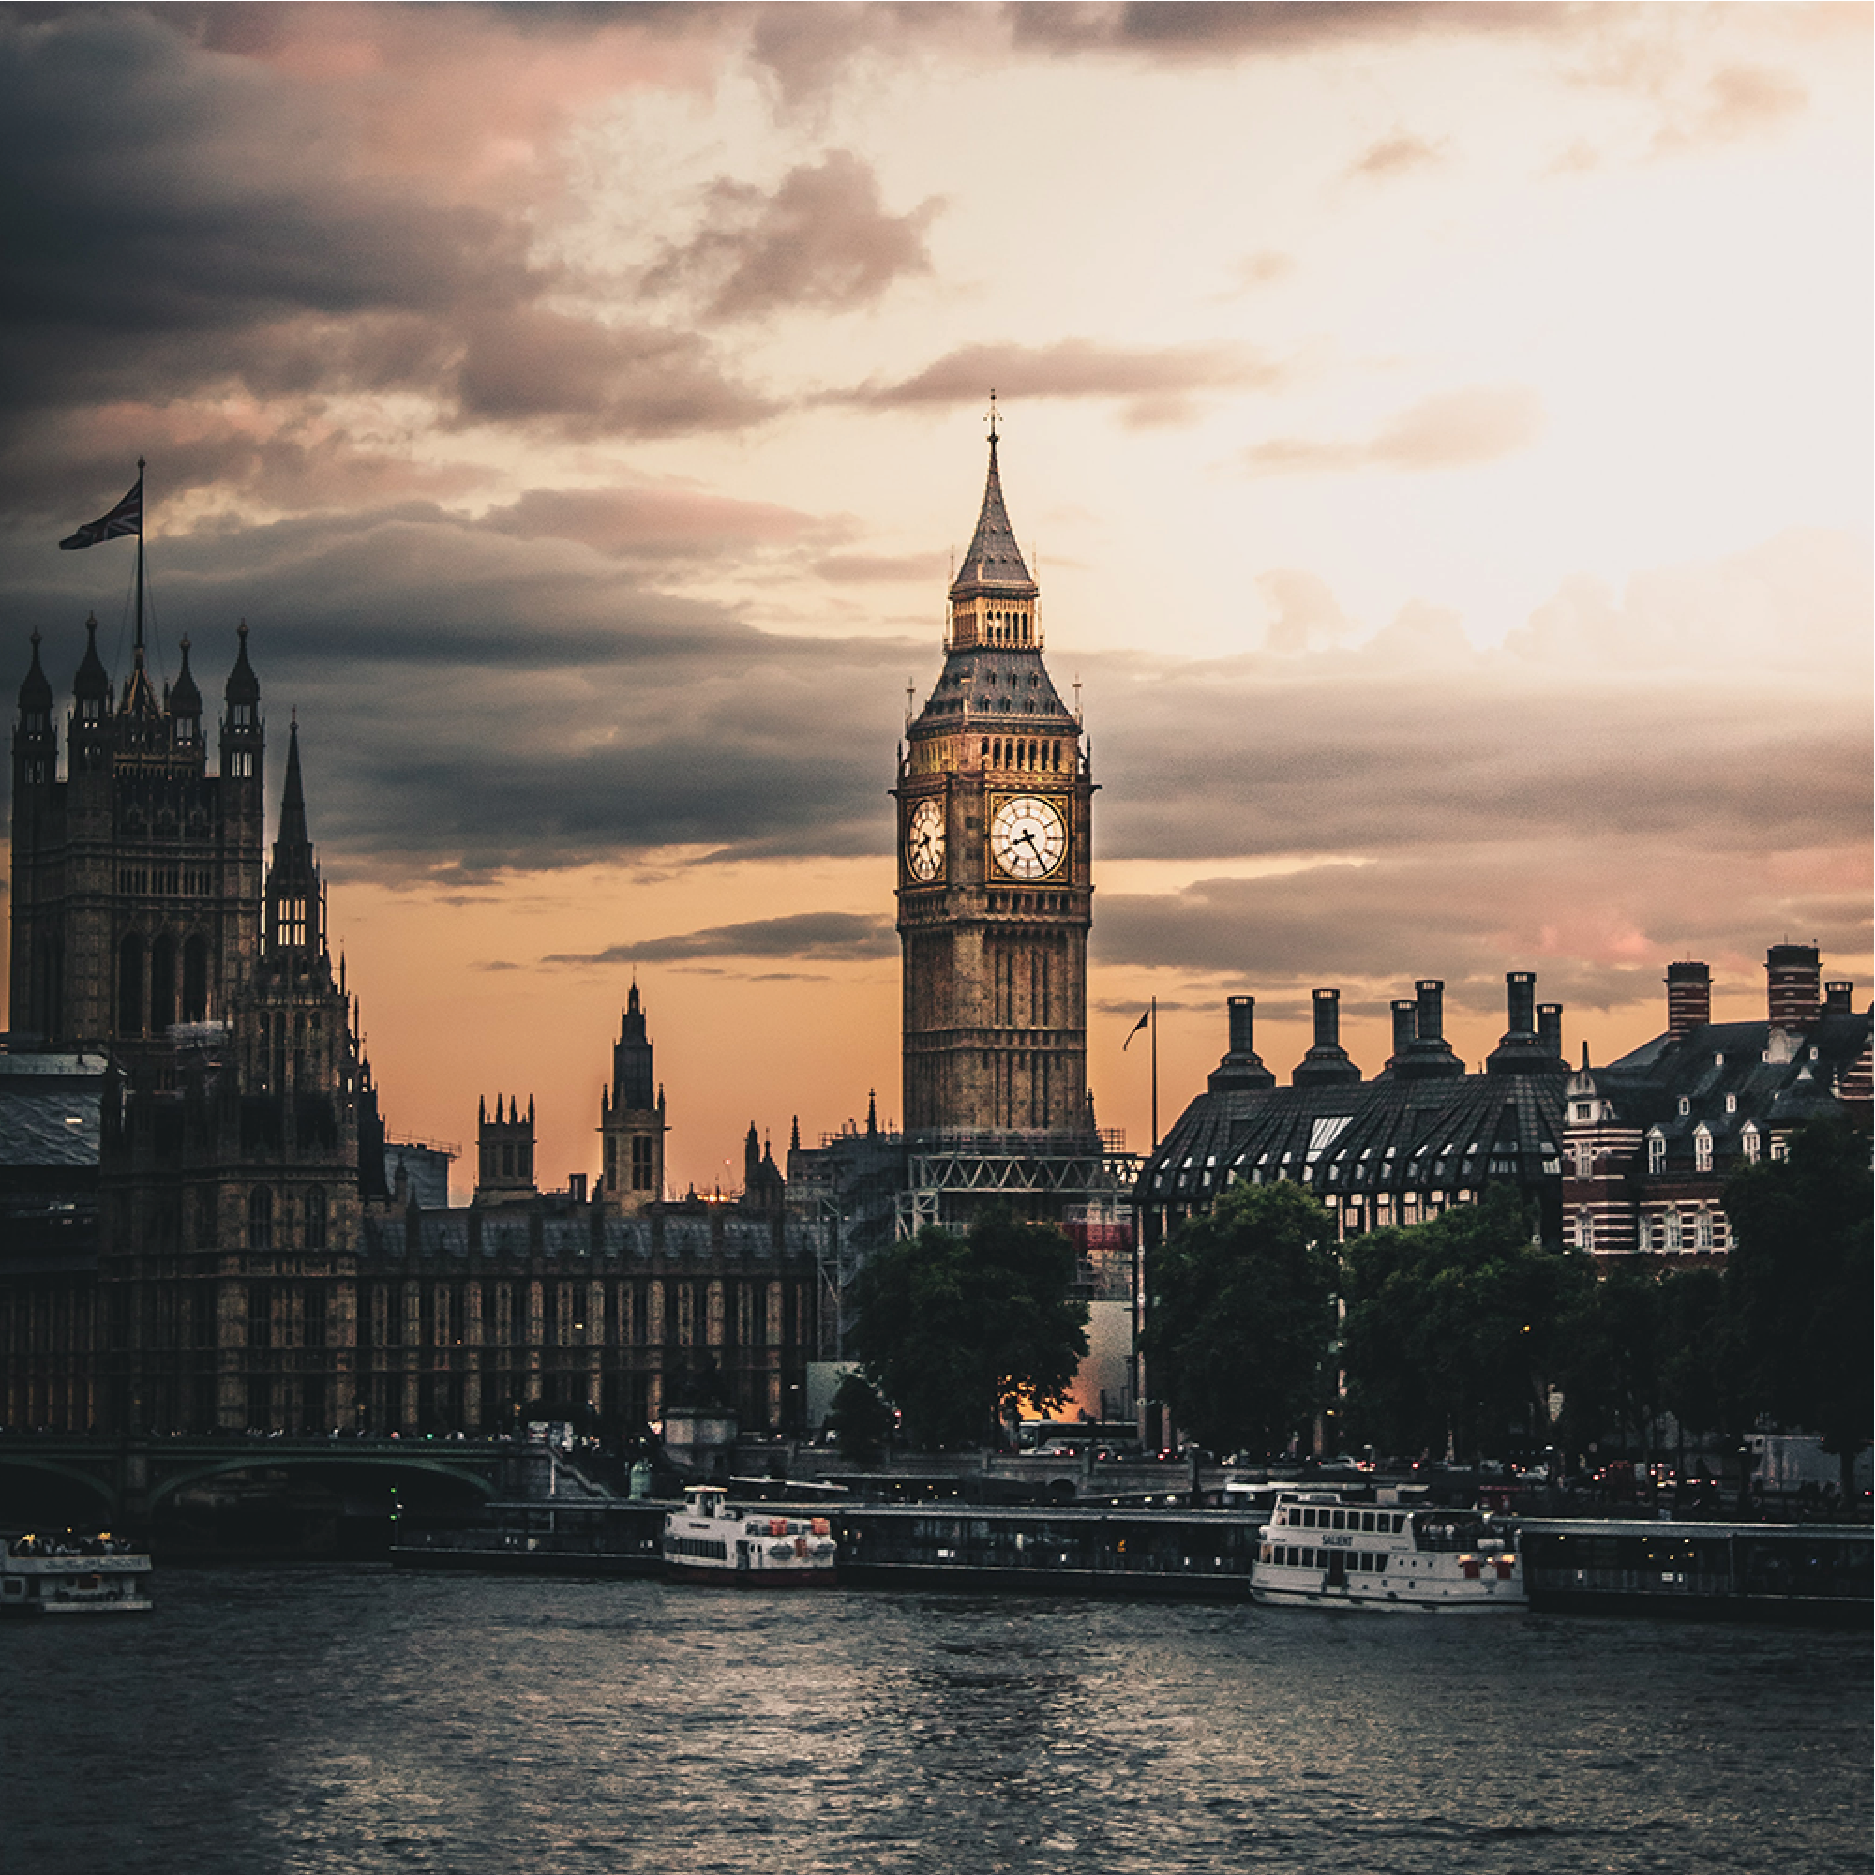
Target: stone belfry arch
pixel 995 886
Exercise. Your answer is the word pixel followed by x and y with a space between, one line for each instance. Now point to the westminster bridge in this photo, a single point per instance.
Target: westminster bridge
pixel 94 1479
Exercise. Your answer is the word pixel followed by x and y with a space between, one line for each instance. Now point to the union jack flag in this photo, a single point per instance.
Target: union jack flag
pixel 125 518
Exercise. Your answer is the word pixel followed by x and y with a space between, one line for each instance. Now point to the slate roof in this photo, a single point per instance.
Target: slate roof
pixel 1773 1076
pixel 49 1108
pixel 993 559
pixel 1360 1138
pixel 997 689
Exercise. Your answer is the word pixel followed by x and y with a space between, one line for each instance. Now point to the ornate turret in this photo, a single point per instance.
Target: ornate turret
pixel 504 1152
pixel 185 705
pixel 293 927
pixel 35 741
pixel 91 708
pixel 241 727
pixel 631 1120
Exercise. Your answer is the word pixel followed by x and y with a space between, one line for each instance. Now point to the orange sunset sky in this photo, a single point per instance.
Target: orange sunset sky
pixel 1442 435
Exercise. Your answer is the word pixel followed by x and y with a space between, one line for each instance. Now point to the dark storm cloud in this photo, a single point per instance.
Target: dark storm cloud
pixel 831 936
pixel 661 523
pixel 476 699
pixel 471 701
pixel 155 196
pixel 1250 758
pixel 526 364
pixel 822 238
pixel 180 222
pixel 1596 923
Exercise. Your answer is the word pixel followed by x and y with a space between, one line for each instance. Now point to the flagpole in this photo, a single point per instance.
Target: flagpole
pixel 139 553
pixel 1152 1010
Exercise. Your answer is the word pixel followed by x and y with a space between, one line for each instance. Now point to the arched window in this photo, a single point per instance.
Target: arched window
pixel 130 985
pixel 195 979
pixel 260 1218
pixel 162 983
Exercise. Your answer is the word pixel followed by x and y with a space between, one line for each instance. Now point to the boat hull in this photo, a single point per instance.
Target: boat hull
pixel 1399 1602
pixel 733 1578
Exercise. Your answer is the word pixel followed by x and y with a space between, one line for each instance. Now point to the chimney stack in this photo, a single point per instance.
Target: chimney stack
pixel 1689 998
pixel 1519 1002
pixel 1838 999
pixel 1795 984
pixel 1431 1024
pixel 1527 1046
pixel 1243 1022
pixel 1419 1045
pixel 1327 1060
pixel 1549 1029
pixel 1241 1067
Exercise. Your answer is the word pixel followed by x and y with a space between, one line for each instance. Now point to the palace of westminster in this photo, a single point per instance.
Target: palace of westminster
pixel 203 1223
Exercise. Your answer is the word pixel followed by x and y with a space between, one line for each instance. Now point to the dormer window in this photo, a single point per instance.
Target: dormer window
pixel 1731 1103
pixel 1702 1150
pixel 1656 1154
pixel 1748 1142
pixel 1686 1105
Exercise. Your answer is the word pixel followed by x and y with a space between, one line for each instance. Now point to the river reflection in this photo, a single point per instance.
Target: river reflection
pixel 328 1719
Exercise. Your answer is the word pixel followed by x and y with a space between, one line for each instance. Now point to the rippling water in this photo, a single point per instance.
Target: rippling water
pixel 351 1719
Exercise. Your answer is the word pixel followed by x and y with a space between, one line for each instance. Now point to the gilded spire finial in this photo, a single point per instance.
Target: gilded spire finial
pixel 992 413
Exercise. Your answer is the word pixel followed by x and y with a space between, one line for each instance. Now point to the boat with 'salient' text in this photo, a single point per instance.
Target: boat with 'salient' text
pixel 712 1540
pixel 1318 1552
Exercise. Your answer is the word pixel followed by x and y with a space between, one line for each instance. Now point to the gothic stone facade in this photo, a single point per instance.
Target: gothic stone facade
pixel 247 1265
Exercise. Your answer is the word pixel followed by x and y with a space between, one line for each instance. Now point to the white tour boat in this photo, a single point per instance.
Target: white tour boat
pixel 43 1573
pixel 1318 1551
pixel 711 1540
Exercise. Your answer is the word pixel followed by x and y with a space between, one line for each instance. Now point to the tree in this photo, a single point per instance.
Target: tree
pixel 1240 1317
pixel 1614 1361
pixel 859 1420
pixel 953 1330
pixel 1702 1361
pixel 1801 1288
pixel 1453 1329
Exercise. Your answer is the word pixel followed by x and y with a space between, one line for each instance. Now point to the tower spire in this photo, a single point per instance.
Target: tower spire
pixel 292 834
pixel 993 558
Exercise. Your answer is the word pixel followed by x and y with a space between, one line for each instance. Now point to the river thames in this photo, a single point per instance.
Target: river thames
pixel 350 1718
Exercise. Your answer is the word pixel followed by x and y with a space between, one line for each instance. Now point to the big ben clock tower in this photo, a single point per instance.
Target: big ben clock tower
pixel 995 893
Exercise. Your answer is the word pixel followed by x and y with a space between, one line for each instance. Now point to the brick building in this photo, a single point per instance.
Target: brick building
pixel 1650 1140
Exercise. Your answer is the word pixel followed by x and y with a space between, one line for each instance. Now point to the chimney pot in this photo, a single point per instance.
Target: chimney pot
pixel 1689 997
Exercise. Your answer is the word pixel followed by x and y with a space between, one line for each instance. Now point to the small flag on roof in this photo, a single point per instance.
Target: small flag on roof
pixel 125 518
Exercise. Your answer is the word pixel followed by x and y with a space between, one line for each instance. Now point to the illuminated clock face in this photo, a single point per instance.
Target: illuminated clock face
pixel 924 840
pixel 1028 836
